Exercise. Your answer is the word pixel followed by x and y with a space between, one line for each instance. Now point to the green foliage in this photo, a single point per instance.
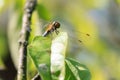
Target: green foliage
pixel 19 5
pixel 76 71
pixel 43 12
pixel 58 53
pixel 39 51
pixel 61 68
pixel 78 15
pixel 3 52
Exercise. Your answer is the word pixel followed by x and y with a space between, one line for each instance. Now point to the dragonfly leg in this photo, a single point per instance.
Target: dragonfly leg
pixel 57 32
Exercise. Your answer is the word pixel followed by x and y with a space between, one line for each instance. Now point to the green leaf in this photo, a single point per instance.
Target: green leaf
pixel 58 50
pixel 19 5
pixel 39 51
pixel 76 71
pixel 43 12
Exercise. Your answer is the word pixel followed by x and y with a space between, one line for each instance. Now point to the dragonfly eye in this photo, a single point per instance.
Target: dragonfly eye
pixel 57 25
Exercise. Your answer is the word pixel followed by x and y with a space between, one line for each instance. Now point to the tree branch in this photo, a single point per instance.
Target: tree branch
pixel 24 36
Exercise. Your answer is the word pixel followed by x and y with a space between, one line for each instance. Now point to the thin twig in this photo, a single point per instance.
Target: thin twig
pixel 24 36
pixel 36 77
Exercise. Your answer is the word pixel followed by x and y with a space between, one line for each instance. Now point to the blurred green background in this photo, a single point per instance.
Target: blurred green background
pixel 100 51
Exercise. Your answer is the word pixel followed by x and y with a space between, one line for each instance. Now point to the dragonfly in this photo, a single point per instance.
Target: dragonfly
pixel 77 40
pixel 54 26
pixel 51 28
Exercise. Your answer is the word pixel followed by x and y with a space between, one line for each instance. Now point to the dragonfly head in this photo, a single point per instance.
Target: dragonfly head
pixel 56 24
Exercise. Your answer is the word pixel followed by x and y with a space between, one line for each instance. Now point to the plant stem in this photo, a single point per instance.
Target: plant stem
pixel 36 77
pixel 24 36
